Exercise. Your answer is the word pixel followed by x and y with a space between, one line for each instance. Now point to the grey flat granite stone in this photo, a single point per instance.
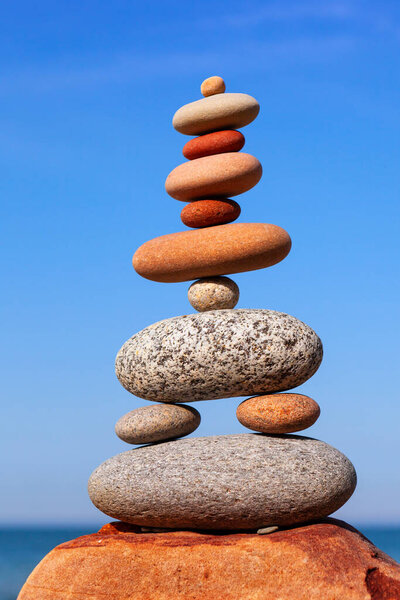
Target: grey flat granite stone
pixel 245 481
pixel 218 354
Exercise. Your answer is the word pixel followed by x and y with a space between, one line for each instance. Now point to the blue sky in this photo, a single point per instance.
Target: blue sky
pixel 87 94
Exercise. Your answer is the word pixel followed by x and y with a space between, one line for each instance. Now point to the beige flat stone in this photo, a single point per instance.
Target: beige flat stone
pixel 219 111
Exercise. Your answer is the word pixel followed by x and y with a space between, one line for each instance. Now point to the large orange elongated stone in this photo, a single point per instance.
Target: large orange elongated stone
pixel 217 176
pixel 219 250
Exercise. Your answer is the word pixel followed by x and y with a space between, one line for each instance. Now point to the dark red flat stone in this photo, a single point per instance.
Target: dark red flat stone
pixel 214 143
pixel 205 213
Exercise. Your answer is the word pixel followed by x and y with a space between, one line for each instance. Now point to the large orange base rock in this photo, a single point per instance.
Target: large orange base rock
pixel 323 561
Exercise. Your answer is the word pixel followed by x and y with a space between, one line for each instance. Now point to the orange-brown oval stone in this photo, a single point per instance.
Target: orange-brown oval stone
pixel 218 142
pixel 218 250
pixel 278 413
pixel 205 213
pixel 216 176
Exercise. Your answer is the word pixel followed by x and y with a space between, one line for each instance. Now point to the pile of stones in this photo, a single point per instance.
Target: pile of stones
pixel 250 481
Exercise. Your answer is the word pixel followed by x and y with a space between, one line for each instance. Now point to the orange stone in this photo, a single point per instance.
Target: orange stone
pixel 218 250
pixel 216 176
pixel 278 413
pixel 328 560
pixel 214 143
pixel 205 213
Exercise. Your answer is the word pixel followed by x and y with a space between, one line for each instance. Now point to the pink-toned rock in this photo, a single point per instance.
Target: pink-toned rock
pixel 217 176
pixel 218 142
pixel 205 213
pixel 278 413
pixel 218 250
pixel 329 560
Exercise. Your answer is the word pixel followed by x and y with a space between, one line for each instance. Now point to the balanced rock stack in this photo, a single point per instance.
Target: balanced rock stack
pixel 228 482
pixel 241 485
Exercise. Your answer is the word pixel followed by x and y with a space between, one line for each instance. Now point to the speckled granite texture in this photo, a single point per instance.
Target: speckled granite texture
pixel 218 354
pixel 240 481
pixel 156 423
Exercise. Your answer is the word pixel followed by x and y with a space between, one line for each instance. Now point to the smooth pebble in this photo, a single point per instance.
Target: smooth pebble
pixel 210 251
pixel 213 293
pixel 219 111
pixel 218 142
pixel 217 176
pixel 157 422
pixel 207 213
pixel 245 481
pixel 278 413
pixel 212 85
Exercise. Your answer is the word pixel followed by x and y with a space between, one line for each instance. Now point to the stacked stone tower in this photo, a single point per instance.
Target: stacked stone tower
pixel 254 481
pixel 191 511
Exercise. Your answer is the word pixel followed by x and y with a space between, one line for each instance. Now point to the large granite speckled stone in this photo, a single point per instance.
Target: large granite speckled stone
pixel 218 354
pixel 240 481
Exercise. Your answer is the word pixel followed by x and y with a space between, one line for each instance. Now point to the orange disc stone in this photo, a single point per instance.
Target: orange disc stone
pixel 205 213
pixel 210 251
pixel 218 142
pixel 278 413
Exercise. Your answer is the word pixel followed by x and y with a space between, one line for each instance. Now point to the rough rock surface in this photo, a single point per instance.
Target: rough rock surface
pixel 322 561
pixel 243 481
pixel 213 293
pixel 218 142
pixel 207 213
pixel 220 250
pixel 278 413
pixel 217 176
pixel 219 111
pixel 156 423
pixel 218 354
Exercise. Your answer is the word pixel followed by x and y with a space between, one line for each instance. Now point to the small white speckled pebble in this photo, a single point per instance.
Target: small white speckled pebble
pixel 213 293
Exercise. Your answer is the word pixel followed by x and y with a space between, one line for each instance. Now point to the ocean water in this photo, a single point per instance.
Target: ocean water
pixel 21 550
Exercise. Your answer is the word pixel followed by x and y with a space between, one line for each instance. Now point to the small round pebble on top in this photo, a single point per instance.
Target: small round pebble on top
pixel 157 423
pixel 212 85
pixel 213 293
pixel 278 413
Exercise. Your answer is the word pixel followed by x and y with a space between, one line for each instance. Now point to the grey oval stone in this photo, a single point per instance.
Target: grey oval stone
pixel 218 354
pixel 244 481
pixel 220 111
pixel 157 422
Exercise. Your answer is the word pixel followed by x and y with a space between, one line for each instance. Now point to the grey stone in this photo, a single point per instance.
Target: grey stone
pixel 267 530
pixel 218 354
pixel 213 293
pixel 245 481
pixel 157 422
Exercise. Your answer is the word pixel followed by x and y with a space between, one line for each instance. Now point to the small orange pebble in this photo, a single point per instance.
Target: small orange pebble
pixel 212 85
pixel 278 413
